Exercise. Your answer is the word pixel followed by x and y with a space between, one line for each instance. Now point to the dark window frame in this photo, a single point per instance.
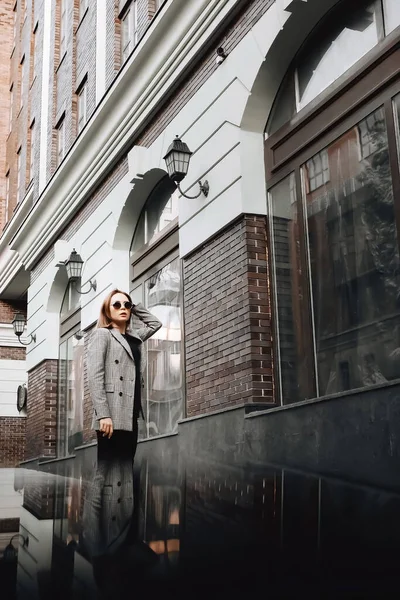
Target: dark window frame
pixel 374 83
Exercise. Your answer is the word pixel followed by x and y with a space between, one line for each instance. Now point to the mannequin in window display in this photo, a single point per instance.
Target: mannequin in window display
pixel 115 365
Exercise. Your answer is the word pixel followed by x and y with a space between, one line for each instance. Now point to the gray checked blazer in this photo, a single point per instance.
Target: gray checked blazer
pixel 112 373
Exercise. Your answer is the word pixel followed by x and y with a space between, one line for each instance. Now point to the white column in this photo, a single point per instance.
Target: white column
pixel 47 28
pixel 101 47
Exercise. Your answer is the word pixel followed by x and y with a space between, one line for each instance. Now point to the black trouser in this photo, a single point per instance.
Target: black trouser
pixel 122 444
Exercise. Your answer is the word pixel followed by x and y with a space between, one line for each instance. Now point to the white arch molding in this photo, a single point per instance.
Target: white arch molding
pixel 279 35
pixel 144 176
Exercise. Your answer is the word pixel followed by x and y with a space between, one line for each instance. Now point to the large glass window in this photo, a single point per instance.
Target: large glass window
pixel 351 263
pixel 160 211
pixel 162 395
pixel 70 376
pixel 70 404
pixel 345 44
pixel 289 295
pixel 157 284
pixel 129 34
pixel 338 44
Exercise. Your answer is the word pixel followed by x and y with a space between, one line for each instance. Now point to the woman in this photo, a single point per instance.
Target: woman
pixel 115 368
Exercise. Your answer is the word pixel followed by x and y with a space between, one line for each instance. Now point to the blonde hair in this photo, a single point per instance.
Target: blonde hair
pixel 105 319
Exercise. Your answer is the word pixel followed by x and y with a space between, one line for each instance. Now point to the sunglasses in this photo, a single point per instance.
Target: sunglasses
pixel 127 305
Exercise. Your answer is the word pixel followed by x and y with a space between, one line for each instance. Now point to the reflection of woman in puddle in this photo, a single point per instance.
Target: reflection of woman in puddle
pixel 110 529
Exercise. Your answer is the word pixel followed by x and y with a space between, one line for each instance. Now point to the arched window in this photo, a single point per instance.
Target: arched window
pixel 70 375
pixel 333 184
pixel 338 44
pixel 157 283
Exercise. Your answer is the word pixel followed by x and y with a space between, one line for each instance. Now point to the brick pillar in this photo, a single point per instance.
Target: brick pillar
pixel 41 426
pixel 228 339
pixel 12 440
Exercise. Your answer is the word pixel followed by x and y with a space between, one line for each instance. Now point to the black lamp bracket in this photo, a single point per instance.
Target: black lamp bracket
pixel 33 339
pixel 93 286
pixel 204 189
pixel 25 540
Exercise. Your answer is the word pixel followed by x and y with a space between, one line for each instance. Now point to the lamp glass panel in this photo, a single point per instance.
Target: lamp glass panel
pixel 19 323
pixel 74 270
pixel 170 164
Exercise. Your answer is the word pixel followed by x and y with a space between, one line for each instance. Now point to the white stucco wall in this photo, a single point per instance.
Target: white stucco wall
pixel 12 373
pixel 10 500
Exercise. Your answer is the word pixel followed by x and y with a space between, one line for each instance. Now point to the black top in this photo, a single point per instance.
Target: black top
pixel 137 403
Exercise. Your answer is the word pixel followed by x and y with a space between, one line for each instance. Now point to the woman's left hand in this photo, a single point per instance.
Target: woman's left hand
pixel 106 426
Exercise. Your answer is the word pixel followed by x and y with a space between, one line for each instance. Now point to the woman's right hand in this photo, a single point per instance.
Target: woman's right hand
pixel 106 426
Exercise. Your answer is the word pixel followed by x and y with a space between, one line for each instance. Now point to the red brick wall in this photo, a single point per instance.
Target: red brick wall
pixel 8 309
pixel 228 340
pixel 12 440
pixel 39 496
pixel 41 427
pixel 11 353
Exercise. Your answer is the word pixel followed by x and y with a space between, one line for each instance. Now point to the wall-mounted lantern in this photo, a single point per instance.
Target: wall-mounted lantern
pixel 74 266
pixel 177 160
pixel 19 323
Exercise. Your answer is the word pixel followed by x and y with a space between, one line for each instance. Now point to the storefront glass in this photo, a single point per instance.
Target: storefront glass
pixel 70 395
pixel 289 296
pixel 157 283
pixel 162 396
pixel 340 241
pixel 354 258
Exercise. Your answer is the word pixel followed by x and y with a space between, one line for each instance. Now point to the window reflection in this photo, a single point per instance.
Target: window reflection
pixel 351 243
pixel 339 50
pixel 285 232
pixel 70 395
pixel 340 42
pixel 162 398
pixel 160 210
pixel 355 266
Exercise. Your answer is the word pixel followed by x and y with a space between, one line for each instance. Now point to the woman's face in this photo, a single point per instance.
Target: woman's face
pixel 119 313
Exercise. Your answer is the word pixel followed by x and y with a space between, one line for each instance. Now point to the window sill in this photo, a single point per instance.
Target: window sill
pixel 46 461
pixel 33 81
pixel 82 18
pixel 61 61
pixel 12 51
pixel 158 437
pixel 327 398
pixel 20 110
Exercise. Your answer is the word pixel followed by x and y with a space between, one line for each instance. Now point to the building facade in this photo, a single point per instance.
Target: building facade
pixel 278 291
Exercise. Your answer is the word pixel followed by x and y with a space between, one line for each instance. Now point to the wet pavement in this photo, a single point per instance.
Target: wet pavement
pixel 190 528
